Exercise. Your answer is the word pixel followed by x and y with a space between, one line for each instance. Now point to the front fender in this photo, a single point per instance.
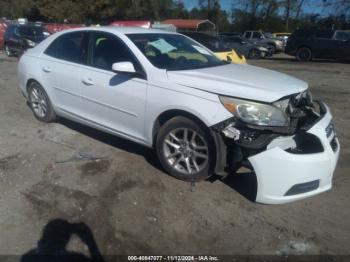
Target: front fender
pixel 205 106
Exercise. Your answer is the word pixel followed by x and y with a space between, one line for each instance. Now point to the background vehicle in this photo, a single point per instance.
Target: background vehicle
pixel 222 50
pixel 3 26
pixel 306 44
pixel 260 37
pixel 19 38
pixel 246 47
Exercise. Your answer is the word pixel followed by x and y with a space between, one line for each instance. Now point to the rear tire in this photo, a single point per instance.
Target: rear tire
pixel 304 54
pixel 40 103
pixel 184 149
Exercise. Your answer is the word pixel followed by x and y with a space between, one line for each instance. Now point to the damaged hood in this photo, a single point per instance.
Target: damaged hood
pixel 242 81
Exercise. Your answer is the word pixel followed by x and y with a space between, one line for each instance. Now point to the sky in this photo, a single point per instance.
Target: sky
pixel 311 6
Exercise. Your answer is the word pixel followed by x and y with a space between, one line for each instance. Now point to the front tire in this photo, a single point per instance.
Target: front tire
pixel 272 49
pixel 40 103
pixel 8 51
pixel 304 54
pixel 254 54
pixel 184 149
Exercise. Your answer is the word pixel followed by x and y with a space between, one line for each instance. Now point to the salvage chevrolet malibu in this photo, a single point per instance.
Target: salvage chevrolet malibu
pixel 203 116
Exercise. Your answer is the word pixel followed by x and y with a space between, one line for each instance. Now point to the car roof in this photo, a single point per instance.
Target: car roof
pixel 25 25
pixel 121 30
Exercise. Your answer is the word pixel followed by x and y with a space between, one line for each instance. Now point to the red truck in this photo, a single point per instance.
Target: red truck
pixel 3 26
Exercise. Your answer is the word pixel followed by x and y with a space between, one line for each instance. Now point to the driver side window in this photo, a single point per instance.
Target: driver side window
pixel 107 50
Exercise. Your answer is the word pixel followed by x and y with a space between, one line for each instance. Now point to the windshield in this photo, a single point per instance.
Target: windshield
pixel 174 52
pixel 31 31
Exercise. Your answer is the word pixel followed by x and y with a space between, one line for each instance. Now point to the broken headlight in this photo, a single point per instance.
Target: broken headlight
pixel 255 113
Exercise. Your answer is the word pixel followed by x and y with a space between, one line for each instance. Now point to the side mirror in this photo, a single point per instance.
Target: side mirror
pixel 123 67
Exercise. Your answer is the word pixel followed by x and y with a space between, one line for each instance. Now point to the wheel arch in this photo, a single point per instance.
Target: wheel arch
pixel 216 143
pixel 171 113
pixel 29 82
pixel 33 80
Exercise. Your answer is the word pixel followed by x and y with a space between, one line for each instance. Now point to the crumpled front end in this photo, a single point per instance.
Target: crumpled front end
pixel 297 167
pixel 290 163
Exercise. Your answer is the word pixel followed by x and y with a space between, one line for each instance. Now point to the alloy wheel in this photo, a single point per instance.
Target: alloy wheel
pixel 38 102
pixel 186 151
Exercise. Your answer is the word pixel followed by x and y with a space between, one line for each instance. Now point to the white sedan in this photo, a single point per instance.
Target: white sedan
pixel 201 115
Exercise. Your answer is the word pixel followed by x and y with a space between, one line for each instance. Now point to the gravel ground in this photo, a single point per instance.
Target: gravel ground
pixel 68 171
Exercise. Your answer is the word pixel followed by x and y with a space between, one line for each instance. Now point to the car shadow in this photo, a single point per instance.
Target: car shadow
pixel 244 183
pixel 112 140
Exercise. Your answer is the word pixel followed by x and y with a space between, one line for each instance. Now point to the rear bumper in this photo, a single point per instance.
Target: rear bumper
pixel 284 176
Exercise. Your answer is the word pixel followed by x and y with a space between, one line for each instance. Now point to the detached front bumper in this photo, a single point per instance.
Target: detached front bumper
pixel 286 175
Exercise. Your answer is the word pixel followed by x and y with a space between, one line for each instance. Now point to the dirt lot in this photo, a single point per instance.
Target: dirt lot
pixel 68 171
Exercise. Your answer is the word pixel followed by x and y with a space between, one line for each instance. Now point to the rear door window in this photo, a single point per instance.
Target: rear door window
pixel 70 47
pixel 328 34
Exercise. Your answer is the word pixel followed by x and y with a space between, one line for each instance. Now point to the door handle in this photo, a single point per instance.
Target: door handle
pixel 46 69
pixel 87 81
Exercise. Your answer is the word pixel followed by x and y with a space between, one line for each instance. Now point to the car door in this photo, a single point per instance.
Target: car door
pixel 60 65
pixel 10 38
pixel 323 44
pixel 342 39
pixel 345 48
pixel 115 101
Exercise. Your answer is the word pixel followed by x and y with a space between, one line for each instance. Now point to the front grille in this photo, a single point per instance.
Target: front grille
pixel 334 144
